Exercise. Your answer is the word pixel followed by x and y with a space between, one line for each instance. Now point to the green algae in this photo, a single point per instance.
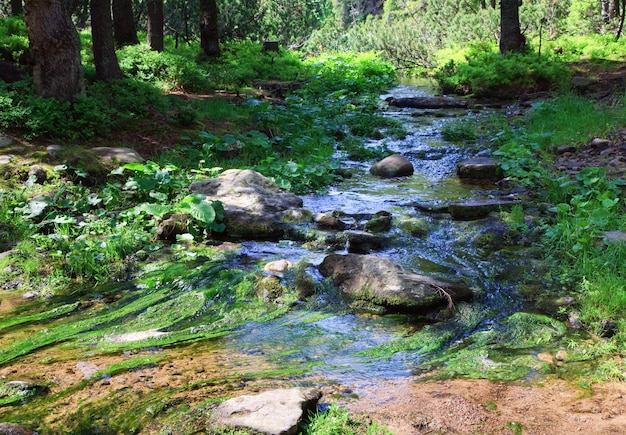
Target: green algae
pixel 46 315
pixel 431 337
pixel 507 351
pixel 128 364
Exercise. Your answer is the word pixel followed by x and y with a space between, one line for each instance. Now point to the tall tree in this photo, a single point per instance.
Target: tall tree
pixel 124 29
pixel 155 24
pixel 511 38
pixel 16 7
pixel 54 42
pixel 209 31
pixel 105 59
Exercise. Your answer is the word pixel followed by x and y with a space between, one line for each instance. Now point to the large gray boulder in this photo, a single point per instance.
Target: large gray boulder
pixel 396 165
pixel 274 412
pixel 381 281
pixel 254 206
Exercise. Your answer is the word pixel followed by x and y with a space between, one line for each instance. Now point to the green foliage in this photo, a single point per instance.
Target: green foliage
pixel 346 74
pixel 486 73
pixel 167 70
pixel 570 120
pixel 337 420
pixel 13 38
pixel 463 131
pixel 104 107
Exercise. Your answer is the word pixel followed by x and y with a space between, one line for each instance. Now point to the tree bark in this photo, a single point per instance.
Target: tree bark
pixel 209 31
pixel 155 24
pixel 16 7
pixel 105 59
pixel 124 29
pixel 54 42
pixel 511 38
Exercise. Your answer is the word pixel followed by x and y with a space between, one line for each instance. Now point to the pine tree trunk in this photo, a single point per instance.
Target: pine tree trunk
pixel 511 38
pixel 209 31
pixel 54 42
pixel 124 29
pixel 105 59
pixel 155 24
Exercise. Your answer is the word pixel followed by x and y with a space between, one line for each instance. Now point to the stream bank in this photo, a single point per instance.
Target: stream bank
pixel 322 342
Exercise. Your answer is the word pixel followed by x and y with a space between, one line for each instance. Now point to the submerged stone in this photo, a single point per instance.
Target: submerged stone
pixel 381 281
pixel 379 223
pixel 274 412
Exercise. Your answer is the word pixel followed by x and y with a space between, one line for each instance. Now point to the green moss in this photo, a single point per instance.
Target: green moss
pixel 431 337
pixel 128 364
pixel 50 314
pixel 414 226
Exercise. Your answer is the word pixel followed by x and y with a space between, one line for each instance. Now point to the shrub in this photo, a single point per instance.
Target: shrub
pixel 489 74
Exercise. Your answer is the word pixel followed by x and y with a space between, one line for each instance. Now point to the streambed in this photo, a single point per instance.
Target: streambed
pixel 93 369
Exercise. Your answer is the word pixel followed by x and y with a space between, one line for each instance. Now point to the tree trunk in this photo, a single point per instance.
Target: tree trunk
pixel 511 38
pixel 16 7
pixel 124 28
pixel 104 57
pixel 209 31
pixel 54 42
pixel 155 24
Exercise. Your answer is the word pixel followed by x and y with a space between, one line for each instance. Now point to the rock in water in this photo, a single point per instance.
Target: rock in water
pixel 396 165
pixel 254 206
pixel 381 281
pixel 274 412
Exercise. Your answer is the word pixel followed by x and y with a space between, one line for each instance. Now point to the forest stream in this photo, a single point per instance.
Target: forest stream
pixel 147 355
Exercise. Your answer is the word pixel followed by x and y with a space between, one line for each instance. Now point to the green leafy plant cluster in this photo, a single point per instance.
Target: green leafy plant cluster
pixel 169 70
pixel 585 207
pixel 13 39
pixel 104 107
pixel 486 73
pixel 338 420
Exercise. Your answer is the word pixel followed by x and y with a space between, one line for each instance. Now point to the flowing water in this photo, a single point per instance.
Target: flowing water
pixel 336 342
pixel 319 342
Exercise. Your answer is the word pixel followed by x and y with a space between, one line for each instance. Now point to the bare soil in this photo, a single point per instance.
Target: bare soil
pixel 463 406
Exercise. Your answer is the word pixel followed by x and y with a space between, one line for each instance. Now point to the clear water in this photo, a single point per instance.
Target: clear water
pixel 333 344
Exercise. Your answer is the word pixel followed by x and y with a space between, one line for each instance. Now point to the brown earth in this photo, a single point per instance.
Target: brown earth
pixel 463 406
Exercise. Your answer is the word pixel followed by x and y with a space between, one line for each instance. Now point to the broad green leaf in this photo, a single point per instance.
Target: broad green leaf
pixel 202 211
pixel 135 166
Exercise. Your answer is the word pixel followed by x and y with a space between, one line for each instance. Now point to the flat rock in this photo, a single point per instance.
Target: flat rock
pixel 274 412
pixel 428 102
pixel 5 159
pixel 120 155
pixel 478 209
pixel 381 281
pixel 479 168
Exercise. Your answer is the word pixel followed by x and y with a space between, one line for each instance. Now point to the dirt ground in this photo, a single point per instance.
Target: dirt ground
pixel 462 406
